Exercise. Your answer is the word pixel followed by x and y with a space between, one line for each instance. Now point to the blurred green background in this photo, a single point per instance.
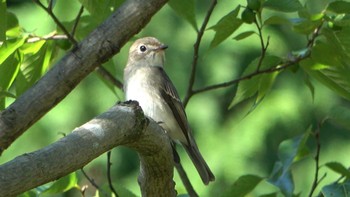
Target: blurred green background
pixel 232 143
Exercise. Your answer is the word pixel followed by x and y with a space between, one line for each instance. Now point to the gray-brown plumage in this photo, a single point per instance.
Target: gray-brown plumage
pixel 146 81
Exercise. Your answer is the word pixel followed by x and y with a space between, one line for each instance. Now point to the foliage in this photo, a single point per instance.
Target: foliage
pixel 324 58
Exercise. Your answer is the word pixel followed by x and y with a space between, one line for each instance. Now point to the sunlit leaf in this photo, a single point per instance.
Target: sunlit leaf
pixel 339 168
pixel 185 9
pixel 336 78
pixel 3 21
pixel 283 5
pixel 323 53
pixel 225 27
pixel 4 94
pixel 63 184
pixel 34 67
pixel 32 48
pixel 30 193
pixel 244 35
pixel 336 189
pixel 8 72
pixel 10 46
pixel 256 86
pixel 244 185
pixel 339 7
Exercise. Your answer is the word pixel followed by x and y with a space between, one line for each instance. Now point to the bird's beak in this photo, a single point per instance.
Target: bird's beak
pixel 162 47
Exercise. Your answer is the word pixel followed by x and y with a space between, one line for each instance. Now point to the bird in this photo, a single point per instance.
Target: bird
pixel 146 82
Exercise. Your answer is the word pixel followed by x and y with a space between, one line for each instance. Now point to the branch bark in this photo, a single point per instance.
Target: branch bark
pixel 96 49
pixel 121 125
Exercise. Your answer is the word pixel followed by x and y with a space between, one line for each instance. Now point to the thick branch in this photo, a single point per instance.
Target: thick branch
pixel 97 48
pixel 121 125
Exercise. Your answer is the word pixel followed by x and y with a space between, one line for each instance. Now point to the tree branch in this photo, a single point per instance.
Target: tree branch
pixel 95 49
pixel 109 177
pixel 121 125
pixel 196 51
pixel 77 19
pixel 290 62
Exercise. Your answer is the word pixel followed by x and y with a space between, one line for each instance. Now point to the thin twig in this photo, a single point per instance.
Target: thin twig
pixel 76 21
pixel 317 161
pixel 262 43
pixel 93 182
pixel 58 23
pixel 196 51
pixel 102 71
pixel 109 177
pixel 292 61
pixel 53 36
pixel 185 181
pixel 108 76
pixel 269 70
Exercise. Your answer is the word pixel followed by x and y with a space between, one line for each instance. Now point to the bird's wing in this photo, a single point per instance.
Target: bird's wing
pixel 172 98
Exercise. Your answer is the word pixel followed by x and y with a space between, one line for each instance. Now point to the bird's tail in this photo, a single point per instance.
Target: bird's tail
pixel 198 161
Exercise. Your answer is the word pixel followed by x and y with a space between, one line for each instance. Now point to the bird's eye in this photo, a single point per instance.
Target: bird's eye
pixel 143 48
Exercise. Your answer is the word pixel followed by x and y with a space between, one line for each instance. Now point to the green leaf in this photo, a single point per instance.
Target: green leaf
pixel 101 9
pixel 4 94
pixel 30 193
pixel 324 54
pixel 10 46
pixel 3 21
pixel 341 116
pixel 270 195
pixel 243 186
pixel 336 189
pixel 243 35
pixel 254 4
pixel 293 150
pixel 122 191
pixel 185 9
pixel 283 5
pixel 309 84
pixel 63 184
pixel 8 71
pixel 339 40
pixel 248 16
pixel 13 29
pixel 225 27
pixel 34 67
pixel 306 26
pixel 339 7
pixel 258 85
pixel 339 168
pixel 282 179
pixel 289 152
pixel 335 78
pixel 32 48
pixel 277 20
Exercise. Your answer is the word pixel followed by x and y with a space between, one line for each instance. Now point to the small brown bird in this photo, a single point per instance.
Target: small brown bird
pixel 146 82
